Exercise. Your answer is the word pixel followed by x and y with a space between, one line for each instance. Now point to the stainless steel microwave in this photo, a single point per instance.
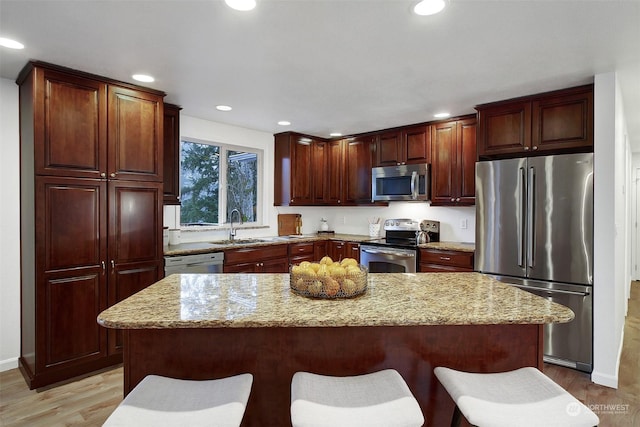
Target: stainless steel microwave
pixel 404 182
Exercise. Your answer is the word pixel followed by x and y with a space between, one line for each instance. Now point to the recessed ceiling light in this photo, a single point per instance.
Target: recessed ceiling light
pixel 441 115
pixel 284 123
pixel 429 7
pixel 11 44
pixel 223 108
pixel 242 5
pixel 335 134
pixel 143 78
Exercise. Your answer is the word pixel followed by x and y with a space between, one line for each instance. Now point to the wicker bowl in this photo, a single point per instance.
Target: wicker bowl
pixel 334 283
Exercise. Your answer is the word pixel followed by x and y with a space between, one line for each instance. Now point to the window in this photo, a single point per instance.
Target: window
pixel 216 179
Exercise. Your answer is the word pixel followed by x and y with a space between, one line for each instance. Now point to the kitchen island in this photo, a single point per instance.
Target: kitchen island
pixel 211 326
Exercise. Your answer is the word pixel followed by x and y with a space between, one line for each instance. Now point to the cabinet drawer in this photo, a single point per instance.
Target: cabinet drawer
pixel 447 258
pixel 302 248
pixel 434 268
pixel 241 255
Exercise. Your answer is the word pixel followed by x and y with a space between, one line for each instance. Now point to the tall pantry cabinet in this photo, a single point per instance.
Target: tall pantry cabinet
pixel 91 214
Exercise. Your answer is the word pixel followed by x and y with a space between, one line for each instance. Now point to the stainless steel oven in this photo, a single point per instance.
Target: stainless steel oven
pixel 397 252
pixel 381 259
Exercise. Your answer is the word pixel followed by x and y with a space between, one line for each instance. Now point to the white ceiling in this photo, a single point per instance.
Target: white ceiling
pixel 335 66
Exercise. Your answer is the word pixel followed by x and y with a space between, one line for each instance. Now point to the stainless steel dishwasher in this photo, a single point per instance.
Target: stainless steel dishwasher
pixel 196 264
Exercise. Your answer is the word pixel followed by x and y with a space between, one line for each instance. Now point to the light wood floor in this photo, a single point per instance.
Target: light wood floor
pixel 89 401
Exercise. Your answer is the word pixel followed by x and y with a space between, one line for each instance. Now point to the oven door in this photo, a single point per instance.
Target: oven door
pixel 382 259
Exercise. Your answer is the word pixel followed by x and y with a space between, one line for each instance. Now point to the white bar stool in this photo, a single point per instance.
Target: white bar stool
pixel 378 399
pixel 161 401
pixel 524 398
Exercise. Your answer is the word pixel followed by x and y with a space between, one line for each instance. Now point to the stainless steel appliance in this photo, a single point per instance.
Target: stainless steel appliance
pixel 429 232
pixel 534 230
pixel 404 183
pixel 199 263
pixel 397 252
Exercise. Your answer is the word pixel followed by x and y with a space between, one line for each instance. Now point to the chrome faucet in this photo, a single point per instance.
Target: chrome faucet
pixel 232 230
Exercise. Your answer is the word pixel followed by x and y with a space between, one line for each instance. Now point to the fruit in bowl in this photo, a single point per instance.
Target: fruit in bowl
pixel 328 278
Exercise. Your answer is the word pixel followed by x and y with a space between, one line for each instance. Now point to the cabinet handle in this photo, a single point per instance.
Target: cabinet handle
pixel 113 265
pixel 458 199
pixel 453 200
pixel 445 258
pixel 535 147
pixel 112 174
pixel 355 249
pixel 103 175
pixel 103 267
pixel 526 148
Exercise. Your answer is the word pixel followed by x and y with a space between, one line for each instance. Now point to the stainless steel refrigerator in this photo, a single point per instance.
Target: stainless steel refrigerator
pixel 534 230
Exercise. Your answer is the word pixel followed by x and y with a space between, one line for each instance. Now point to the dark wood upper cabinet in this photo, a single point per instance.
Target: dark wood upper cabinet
pixel 171 154
pixel 388 149
pixel 453 162
pixel 358 161
pixel 135 135
pixel 553 122
pixel 404 146
pixel 334 173
pixel 293 179
pixel 56 100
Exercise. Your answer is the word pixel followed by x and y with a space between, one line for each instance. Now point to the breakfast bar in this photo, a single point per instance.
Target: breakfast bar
pixel 199 326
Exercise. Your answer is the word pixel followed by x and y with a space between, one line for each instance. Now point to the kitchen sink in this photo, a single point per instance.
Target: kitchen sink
pixel 238 241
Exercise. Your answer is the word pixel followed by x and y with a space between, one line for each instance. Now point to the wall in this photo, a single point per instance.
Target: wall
pixel 634 190
pixel 610 233
pixel 9 229
pixel 353 220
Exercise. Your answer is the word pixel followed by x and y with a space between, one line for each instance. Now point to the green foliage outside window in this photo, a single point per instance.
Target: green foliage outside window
pixel 200 178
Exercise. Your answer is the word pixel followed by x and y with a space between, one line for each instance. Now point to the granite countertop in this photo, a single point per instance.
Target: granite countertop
pixel 450 246
pixel 221 245
pixel 391 299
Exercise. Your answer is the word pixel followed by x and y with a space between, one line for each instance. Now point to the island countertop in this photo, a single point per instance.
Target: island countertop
pixel 391 299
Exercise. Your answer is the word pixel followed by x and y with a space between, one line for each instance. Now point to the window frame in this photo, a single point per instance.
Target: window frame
pixel 222 183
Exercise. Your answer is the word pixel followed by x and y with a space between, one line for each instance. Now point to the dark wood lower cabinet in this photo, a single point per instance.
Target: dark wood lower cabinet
pixel 92 243
pixel 273 355
pixel 266 259
pixel 440 261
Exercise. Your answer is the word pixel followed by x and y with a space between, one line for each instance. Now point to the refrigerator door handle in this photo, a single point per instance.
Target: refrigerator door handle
pixel 531 220
pixel 521 219
pixel 551 291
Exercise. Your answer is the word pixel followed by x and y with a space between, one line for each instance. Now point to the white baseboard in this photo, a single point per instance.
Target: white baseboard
pixel 608 380
pixel 8 364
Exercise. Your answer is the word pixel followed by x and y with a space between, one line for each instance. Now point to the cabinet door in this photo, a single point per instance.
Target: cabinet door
pixel 333 172
pixel 358 161
pixel 126 280
pixel 443 160
pixel 318 171
pixel 135 135
pixel 352 250
pixel 274 266
pixel 337 249
pixel 417 144
pixel 70 125
pixel 320 249
pixel 466 162
pixel 563 121
pixel 389 150
pixel 71 280
pixel 243 267
pixel 505 129
pixel 301 167
pixel 171 154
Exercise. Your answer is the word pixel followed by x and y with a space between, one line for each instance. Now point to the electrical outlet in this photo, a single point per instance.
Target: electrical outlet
pixel 464 224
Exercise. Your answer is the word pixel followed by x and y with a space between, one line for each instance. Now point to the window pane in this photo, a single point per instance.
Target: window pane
pixel 199 179
pixel 242 184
